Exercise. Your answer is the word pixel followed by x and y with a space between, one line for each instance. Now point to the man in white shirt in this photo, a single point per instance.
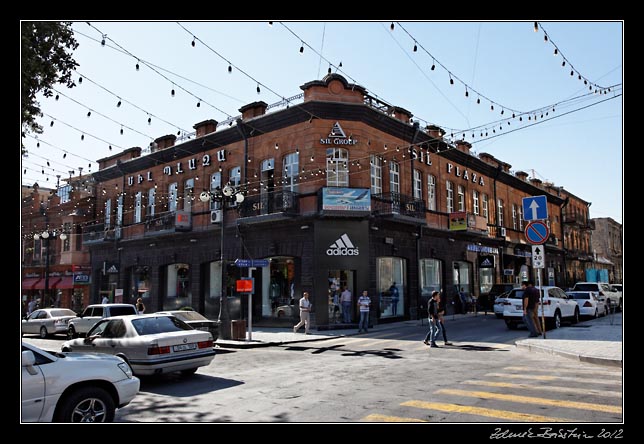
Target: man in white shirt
pixel 305 309
pixel 364 302
pixel 105 300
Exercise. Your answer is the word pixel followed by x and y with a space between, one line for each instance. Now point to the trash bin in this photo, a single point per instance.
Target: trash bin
pixel 238 330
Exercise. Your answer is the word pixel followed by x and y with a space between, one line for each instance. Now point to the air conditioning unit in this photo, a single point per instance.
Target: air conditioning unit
pixel 548 223
pixel 215 216
pixel 556 241
pixel 502 231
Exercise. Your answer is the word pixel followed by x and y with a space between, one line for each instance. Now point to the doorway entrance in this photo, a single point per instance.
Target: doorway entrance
pixel 339 281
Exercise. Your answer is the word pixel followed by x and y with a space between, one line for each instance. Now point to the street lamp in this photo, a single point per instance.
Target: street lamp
pixel 232 195
pixel 46 236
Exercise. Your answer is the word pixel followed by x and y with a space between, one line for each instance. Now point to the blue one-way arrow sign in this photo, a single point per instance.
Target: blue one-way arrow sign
pixel 535 208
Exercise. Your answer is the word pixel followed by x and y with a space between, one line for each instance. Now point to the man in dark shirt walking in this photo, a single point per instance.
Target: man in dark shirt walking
pixel 530 305
pixel 432 309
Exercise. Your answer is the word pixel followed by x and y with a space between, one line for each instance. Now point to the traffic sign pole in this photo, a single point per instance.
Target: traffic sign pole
pixel 250 307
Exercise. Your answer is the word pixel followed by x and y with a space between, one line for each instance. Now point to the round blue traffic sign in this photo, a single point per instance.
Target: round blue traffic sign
pixel 537 232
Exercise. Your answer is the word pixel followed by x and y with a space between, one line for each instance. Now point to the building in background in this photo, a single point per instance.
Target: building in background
pixel 607 243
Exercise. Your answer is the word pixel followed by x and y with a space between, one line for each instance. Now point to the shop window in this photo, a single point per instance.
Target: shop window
pixel 431 272
pixel 278 288
pixel 178 281
pixel 391 286
pixel 462 280
pixel 140 279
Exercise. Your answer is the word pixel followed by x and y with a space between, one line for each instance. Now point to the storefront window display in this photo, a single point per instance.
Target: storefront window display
pixel 339 281
pixel 140 279
pixel 278 288
pixel 431 272
pixel 462 278
pixel 178 292
pixel 486 279
pixel 391 285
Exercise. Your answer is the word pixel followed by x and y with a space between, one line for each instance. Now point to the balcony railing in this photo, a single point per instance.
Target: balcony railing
pixel 583 222
pixel 276 202
pixel 168 221
pixel 387 204
pixel 98 233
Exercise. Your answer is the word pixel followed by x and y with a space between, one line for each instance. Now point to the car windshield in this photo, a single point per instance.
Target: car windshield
pixel 158 324
pixel 189 316
pixel 62 312
pixel 586 287
pixel 121 311
pixel 579 295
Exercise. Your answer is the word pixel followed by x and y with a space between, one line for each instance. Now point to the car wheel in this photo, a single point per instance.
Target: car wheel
pixel 499 316
pixel 511 325
pixel 619 306
pixel 71 332
pixel 556 321
pixel 575 317
pixel 43 332
pixel 280 314
pixel 189 372
pixel 66 349
pixel 87 404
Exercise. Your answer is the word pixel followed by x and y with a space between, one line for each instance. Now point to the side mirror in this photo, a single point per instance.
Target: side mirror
pixel 28 358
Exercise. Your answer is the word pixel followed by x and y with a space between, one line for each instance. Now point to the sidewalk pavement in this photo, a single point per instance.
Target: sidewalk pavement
pixel 598 341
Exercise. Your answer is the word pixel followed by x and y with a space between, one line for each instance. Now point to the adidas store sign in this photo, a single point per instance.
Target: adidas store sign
pixel 342 247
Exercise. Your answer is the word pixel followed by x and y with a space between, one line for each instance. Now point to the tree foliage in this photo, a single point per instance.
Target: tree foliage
pixel 46 59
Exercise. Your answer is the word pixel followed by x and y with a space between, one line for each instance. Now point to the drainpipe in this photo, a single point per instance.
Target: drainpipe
pixel 243 134
pixel 563 240
pixel 411 157
pixel 496 220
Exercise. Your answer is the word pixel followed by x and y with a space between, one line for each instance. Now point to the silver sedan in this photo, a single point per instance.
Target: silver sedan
pixel 47 321
pixel 152 344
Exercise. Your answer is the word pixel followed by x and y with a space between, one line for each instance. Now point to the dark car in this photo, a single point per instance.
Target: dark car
pixel 487 300
pixel 196 320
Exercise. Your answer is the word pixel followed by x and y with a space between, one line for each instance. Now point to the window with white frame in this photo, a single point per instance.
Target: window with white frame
pixel 461 198
pixel 291 169
pixel 514 216
pixel 172 197
pixel 484 207
pixel 138 197
pixel 188 188
pixel 521 217
pixel 235 176
pixel 64 193
pixel 215 182
pixel 449 203
pixel 67 229
pixel 108 214
pixel 431 192
pixel 152 192
pixel 376 174
pixel 499 212
pixel 418 185
pixel 337 167
pixel 475 201
pixel 394 177
pixel 119 211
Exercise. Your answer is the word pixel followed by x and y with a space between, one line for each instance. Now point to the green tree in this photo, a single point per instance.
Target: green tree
pixel 46 59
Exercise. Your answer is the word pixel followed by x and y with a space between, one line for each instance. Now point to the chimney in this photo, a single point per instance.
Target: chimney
pixel 334 88
pixel 435 131
pixel 123 156
pixel 489 159
pixel 464 146
pixel 506 166
pixel 536 182
pixel 401 114
pixel 522 175
pixel 165 141
pixel 253 110
pixel 205 127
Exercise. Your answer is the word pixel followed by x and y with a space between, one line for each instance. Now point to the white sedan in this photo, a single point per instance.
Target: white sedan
pixel 589 304
pixel 73 387
pixel 47 321
pixel 152 344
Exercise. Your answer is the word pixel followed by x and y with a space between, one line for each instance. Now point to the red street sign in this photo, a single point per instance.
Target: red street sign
pixel 537 232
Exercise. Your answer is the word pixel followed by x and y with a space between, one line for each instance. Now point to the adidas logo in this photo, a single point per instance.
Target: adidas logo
pixel 486 263
pixel 342 247
pixel 112 269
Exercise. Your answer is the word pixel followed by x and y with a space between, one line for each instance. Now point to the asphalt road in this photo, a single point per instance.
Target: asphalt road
pixel 388 376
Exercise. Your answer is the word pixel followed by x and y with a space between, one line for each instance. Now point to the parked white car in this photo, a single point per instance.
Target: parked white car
pixel 556 306
pixel 151 343
pixel 79 326
pixel 604 290
pixel 589 304
pixel 47 321
pixel 499 304
pixel 73 387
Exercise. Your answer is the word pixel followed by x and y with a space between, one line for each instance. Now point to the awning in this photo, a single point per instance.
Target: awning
pixel 65 283
pixel 41 283
pixel 28 283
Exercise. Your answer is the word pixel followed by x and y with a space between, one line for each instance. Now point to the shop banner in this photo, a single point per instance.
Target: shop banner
pixel 346 199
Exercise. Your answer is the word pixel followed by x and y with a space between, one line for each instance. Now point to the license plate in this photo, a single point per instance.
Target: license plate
pixel 518 307
pixel 184 347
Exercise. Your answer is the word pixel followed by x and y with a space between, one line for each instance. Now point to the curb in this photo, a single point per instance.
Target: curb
pixel 257 344
pixel 590 359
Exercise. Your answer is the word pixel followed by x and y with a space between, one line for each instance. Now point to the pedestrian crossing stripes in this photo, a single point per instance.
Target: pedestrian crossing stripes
pixel 480 411
pixel 374 417
pixel 534 400
pixel 576 371
pixel 549 388
pixel 555 378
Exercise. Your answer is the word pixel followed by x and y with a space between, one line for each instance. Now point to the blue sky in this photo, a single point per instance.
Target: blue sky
pixel 578 146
